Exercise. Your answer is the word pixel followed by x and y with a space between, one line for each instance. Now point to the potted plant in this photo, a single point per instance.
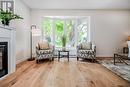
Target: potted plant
pixel 7 16
pixel 63 41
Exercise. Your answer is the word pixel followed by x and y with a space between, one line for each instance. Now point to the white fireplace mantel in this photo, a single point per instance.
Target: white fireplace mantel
pixel 7 34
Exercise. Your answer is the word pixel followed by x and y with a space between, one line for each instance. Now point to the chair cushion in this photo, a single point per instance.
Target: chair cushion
pixel 90 54
pixel 86 45
pixel 85 51
pixel 45 51
pixel 43 46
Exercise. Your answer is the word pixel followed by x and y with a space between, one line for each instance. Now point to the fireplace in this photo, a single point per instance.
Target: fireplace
pixel 3 58
pixel 7 51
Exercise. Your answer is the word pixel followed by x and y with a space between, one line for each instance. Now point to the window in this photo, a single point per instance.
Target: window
pixel 70 33
pixel 75 29
pixel 47 29
pixel 59 31
pixel 82 27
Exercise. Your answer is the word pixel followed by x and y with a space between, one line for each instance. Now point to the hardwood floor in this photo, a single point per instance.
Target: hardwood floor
pixel 62 74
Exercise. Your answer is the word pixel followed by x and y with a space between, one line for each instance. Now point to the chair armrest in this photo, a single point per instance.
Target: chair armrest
pixel 77 47
pixel 37 50
pixel 51 46
pixel 94 48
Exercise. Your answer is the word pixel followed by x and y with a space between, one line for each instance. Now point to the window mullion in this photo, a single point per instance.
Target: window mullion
pixel 53 31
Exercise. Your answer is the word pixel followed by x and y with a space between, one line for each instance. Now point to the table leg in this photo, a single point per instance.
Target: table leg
pixel 114 58
pixel 58 56
pixel 52 58
pixel 119 58
pixel 122 60
pixel 68 56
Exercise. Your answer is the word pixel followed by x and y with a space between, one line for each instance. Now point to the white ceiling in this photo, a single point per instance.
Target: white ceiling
pixel 78 4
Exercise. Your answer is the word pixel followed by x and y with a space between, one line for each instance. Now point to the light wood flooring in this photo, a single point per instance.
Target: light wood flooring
pixel 62 74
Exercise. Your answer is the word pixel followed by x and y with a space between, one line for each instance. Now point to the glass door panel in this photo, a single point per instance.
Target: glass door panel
pixel 47 29
pixel 70 33
pixel 59 31
pixel 82 31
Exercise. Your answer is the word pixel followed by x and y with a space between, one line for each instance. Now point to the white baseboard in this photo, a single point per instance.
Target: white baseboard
pixel 20 60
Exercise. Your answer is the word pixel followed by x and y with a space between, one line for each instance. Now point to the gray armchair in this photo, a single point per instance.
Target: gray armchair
pixel 45 53
pixel 86 54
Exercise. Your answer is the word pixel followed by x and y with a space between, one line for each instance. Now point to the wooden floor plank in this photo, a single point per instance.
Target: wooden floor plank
pixel 62 74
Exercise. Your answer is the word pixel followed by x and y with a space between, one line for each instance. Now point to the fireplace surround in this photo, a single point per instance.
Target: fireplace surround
pixel 3 58
pixel 7 51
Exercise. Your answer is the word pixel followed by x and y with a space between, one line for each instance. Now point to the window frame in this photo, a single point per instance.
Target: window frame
pixel 65 29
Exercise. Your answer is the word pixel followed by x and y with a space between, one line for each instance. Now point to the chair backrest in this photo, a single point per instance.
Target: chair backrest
pixel 43 46
pixel 93 47
pixel 86 45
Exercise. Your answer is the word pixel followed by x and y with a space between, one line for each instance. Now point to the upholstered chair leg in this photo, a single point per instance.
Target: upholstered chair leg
pixel 52 58
pixel 77 58
pixel 93 60
pixel 37 61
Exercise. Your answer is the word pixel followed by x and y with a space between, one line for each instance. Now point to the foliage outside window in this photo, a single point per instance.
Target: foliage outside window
pixel 47 29
pixel 59 31
pixel 70 32
pixel 82 32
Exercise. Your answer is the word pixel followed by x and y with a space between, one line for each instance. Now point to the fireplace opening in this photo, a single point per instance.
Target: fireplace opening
pixel 3 58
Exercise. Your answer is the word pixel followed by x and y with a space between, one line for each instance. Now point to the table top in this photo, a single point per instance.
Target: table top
pixel 63 50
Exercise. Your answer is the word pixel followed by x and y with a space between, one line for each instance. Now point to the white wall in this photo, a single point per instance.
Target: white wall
pixel 22 31
pixel 109 28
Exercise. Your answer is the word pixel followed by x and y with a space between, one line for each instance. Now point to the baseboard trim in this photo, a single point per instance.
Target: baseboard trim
pixel 21 60
pixel 98 58
pixel 106 58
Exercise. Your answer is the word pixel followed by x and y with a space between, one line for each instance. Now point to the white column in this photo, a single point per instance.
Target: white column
pixel 42 29
pixel 76 31
pixel 65 27
pixel 89 30
pixel 12 53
